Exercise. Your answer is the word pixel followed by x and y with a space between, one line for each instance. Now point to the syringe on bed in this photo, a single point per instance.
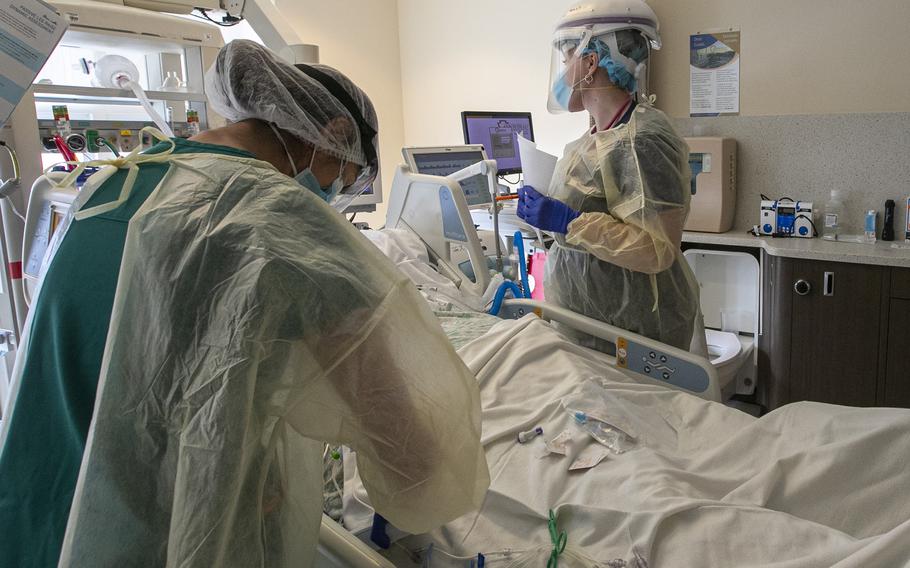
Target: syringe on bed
pixel 438 210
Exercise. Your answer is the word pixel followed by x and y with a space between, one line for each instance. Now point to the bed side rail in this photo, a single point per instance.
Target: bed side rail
pixel 648 359
pixel 338 548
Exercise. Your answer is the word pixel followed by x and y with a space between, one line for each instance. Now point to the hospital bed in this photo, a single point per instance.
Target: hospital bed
pixel 706 485
pixel 427 215
pixel 339 548
pixel 703 485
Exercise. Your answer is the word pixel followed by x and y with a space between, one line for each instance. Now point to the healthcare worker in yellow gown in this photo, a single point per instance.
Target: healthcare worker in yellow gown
pixel 620 194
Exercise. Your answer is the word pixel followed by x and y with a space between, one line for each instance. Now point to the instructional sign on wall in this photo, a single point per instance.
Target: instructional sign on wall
pixel 29 32
pixel 714 73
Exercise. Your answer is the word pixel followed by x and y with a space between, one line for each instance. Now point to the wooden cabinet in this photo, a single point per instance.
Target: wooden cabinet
pixel 896 391
pixel 834 332
pixel 896 388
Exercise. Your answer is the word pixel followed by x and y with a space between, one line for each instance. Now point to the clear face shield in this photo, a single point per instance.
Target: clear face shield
pixel 622 53
pixel 362 183
pixel 566 69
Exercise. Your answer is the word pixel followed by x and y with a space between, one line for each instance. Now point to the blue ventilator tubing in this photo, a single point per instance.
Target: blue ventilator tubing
pixel 507 286
pixel 522 266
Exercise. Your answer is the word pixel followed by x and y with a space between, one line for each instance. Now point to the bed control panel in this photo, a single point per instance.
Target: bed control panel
pixel 660 366
pixel 509 311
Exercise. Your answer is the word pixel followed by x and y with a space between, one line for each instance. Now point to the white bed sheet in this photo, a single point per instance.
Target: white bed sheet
pixel 409 254
pixel 806 485
pixel 460 313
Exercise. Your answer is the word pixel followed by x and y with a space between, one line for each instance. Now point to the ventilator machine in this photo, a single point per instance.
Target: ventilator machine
pixel 437 208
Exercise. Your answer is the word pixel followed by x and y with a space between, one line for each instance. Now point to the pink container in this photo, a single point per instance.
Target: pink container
pixel 536 269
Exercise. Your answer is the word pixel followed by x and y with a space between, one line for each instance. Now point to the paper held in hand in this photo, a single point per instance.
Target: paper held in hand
pixel 537 166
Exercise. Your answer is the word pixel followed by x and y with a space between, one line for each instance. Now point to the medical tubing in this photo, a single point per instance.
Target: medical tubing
pixel 495 206
pixel 522 263
pixel 14 158
pixel 518 557
pixel 336 469
pixel 109 146
pixel 558 539
pixel 67 154
pixel 15 209
pixel 144 100
pixel 508 285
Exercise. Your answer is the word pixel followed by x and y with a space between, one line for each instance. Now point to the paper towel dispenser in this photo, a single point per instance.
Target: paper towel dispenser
pixel 713 164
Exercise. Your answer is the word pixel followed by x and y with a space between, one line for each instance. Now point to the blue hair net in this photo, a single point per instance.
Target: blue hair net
pixel 629 42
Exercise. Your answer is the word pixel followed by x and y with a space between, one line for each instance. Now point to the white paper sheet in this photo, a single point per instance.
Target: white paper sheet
pixel 29 31
pixel 537 166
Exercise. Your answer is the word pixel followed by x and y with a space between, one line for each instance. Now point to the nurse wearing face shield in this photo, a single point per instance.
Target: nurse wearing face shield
pixel 620 195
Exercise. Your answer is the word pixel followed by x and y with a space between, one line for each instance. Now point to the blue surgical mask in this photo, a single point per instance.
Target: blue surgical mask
pixel 562 92
pixel 309 181
pixel 306 178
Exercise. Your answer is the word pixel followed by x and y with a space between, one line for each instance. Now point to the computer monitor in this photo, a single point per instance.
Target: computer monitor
pixel 446 160
pixel 497 132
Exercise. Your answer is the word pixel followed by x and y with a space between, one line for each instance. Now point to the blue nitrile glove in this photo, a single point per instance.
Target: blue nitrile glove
pixel 544 212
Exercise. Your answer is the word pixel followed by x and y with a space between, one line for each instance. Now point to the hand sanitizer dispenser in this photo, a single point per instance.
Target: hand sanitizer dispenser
pixel 713 164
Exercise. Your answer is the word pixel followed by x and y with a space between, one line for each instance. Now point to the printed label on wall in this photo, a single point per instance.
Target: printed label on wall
pixel 714 73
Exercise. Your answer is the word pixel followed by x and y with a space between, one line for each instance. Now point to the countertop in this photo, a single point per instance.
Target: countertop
pixel 879 253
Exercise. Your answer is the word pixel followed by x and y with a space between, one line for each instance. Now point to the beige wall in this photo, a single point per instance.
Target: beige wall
pixel 478 55
pixel 798 56
pixel 424 61
pixel 360 38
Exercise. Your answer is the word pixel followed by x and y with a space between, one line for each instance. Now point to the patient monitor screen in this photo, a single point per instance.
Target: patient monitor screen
pixel 476 189
pixel 498 132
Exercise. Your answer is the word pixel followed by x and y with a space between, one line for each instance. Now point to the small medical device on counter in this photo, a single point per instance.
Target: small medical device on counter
pixel 713 164
pixel 786 218
pixel 907 229
pixel 888 222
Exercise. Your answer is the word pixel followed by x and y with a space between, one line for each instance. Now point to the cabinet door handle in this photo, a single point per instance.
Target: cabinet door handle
pixel 802 287
pixel 829 284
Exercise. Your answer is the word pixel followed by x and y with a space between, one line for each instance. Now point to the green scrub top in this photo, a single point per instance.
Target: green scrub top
pixel 40 462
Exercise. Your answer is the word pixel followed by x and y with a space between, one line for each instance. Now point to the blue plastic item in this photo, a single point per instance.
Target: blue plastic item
pixel 522 263
pixel 80 181
pixel 378 533
pixel 507 286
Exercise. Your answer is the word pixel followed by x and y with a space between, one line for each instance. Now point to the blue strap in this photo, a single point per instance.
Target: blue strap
pixel 378 533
